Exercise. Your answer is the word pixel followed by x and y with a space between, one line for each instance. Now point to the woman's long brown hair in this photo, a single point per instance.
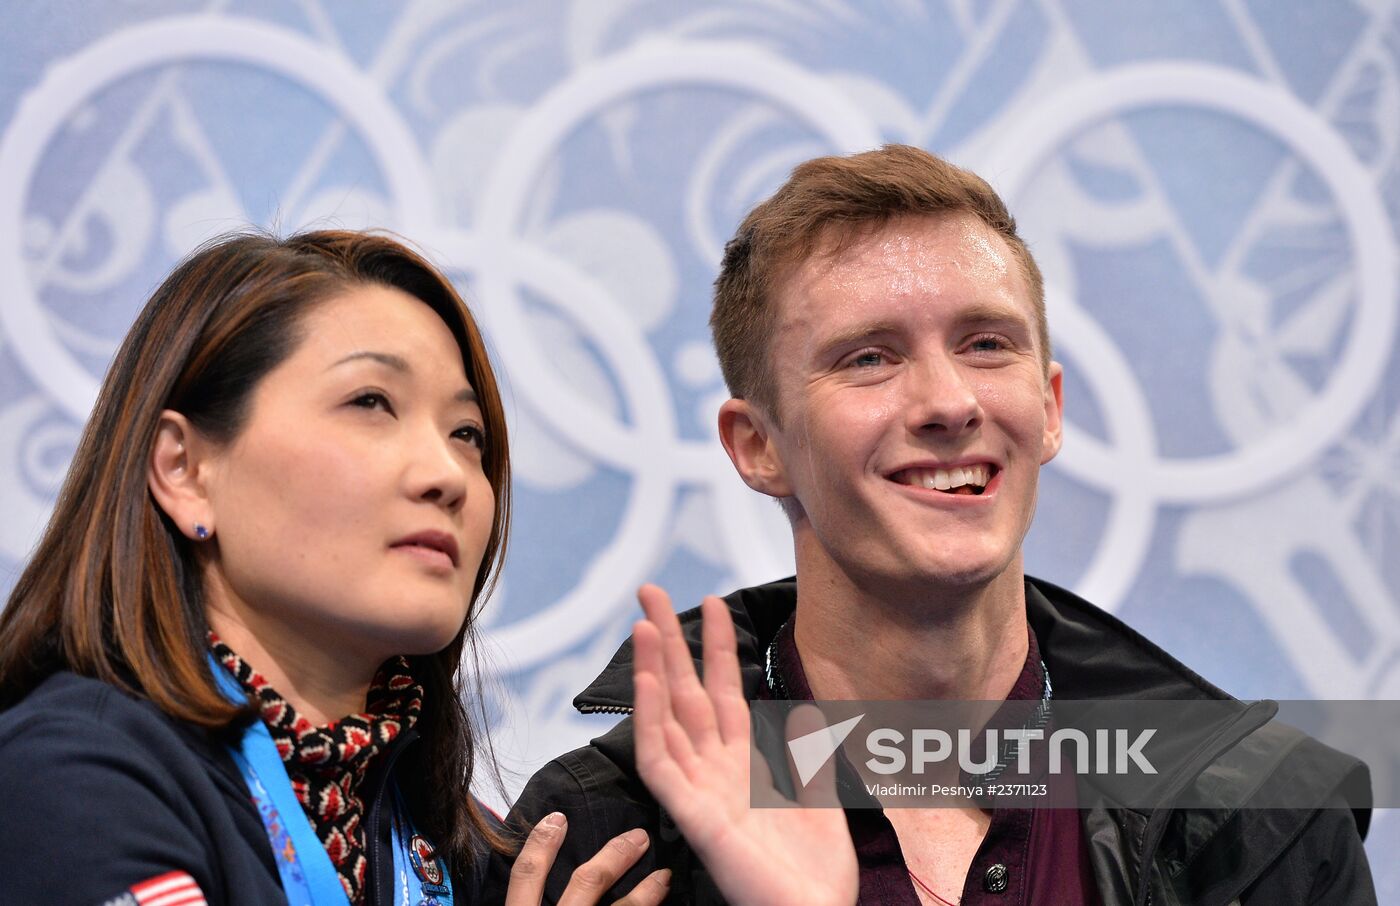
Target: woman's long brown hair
pixel 113 589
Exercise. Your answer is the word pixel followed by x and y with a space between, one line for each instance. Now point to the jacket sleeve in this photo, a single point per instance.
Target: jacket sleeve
pixel 1325 866
pixel 88 813
pixel 599 804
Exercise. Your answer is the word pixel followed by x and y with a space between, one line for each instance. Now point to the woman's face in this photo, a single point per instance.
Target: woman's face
pixel 352 510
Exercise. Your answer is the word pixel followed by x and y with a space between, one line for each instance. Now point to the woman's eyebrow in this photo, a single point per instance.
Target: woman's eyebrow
pixel 398 363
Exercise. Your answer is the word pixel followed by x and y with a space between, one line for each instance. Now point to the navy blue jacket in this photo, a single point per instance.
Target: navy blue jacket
pixel 101 791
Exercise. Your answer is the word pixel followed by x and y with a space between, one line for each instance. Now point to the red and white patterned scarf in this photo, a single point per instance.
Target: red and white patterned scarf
pixel 326 764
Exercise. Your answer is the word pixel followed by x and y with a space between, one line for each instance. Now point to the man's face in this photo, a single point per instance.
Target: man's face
pixel 915 407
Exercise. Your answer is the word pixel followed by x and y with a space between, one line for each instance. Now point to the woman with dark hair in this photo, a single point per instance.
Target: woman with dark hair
pixel 231 670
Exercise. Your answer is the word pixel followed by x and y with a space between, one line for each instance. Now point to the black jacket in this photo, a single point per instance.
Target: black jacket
pixel 101 791
pixel 1211 858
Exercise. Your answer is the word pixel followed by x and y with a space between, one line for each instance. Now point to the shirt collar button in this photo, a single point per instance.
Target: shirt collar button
pixel 996 879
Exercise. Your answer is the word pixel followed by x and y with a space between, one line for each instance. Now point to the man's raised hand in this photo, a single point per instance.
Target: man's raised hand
pixel 695 755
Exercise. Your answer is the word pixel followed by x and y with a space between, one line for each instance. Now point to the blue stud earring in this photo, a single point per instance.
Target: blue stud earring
pixel 200 531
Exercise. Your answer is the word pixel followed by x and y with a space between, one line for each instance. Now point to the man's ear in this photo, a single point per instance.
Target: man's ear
pixel 177 475
pixel 1054 413
pixel 747 435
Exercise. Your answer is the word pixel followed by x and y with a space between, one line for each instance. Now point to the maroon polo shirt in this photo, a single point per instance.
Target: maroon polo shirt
pixel 1029 857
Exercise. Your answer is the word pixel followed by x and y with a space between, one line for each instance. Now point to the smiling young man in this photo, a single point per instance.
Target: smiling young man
pixel 881 327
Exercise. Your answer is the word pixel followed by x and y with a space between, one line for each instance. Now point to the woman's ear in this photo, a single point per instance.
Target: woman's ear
pixel 177 475
pixel 748 439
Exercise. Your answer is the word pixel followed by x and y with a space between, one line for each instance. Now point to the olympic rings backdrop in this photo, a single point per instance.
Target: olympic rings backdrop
pixel 1212 189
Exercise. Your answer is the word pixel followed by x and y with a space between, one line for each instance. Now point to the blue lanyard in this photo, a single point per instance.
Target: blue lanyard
pixel 415 865
pixel 308 877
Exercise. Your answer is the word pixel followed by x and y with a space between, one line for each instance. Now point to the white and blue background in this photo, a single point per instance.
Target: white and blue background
pixel 1212 188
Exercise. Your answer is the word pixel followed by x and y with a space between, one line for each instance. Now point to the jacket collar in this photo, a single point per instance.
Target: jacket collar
pixel 1090 653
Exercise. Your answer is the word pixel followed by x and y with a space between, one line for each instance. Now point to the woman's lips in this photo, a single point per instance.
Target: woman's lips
pixel 431 547
pixel 429 556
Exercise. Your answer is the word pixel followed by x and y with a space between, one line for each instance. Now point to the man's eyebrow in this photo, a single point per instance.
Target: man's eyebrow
pixel 992 312
pixel 399 363
pixel 856 335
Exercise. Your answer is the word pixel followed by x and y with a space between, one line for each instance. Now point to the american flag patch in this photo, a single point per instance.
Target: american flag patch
pixel 174 888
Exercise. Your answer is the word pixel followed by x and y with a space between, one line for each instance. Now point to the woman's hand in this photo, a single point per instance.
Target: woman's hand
pixel 591 879
pixel 694 753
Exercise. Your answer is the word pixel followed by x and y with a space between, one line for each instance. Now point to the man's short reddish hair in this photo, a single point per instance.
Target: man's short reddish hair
pixel 825 204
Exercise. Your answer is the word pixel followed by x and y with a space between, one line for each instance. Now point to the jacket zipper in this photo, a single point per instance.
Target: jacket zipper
pixel 586 708
pixel 1248 722
pixel 372 826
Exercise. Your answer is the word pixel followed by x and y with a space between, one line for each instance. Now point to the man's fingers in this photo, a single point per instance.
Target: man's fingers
pixel 662 772
pixel 531 868
pixel 593 878
pixel 648 660
pixel 650 891
pixel 664 752
pixel 656 604
pixel 689 702
pixel 657 731
pixel 762 791
pixel 722 681
pixel 820 789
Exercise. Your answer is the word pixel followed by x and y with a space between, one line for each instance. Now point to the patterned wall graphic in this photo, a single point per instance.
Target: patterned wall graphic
pixel 1211 187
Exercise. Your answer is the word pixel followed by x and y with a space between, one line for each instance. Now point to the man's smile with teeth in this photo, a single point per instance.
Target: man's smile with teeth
pixel 970 479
